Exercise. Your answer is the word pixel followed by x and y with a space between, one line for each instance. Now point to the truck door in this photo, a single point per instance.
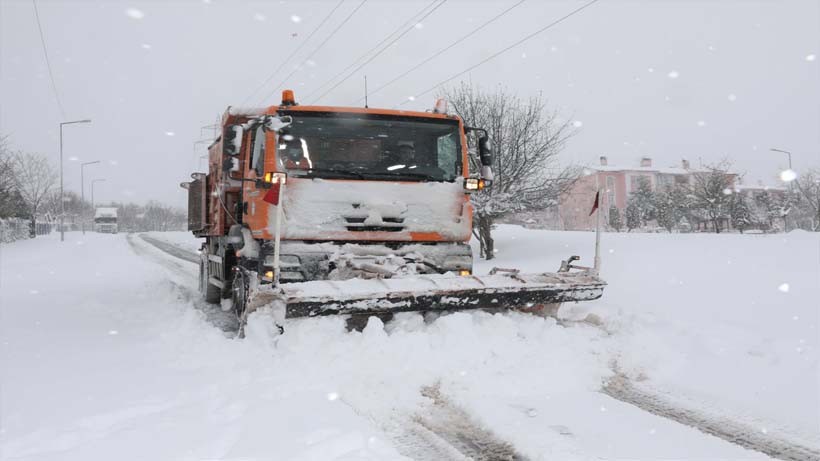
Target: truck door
pixel 255 210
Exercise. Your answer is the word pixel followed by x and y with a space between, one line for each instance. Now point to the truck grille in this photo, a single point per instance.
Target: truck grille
pixel 357 224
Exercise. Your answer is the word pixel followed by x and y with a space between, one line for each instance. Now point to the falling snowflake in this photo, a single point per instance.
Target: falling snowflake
pixel 113 162
pixel 673 75
pixel 577 124
pixel 652 431
pixel 134 13
pixel 727 191
pixel 603 408
pixel 611 251
pixel 811 57
pixel 532 413
pixel 553 48
pixel 33 292
pixel 651 70
pixel 419 25
pixel 732 97
pixel 259 17
pixel 788 175
pixel 73 158
pixel 296 19
pixel 523 55
pixel 311 63
pixel 113 332
pixel 169 133
pixel 332 396
pixel 145 46
pixel 701 123
pixel 784 287
pixel 411 98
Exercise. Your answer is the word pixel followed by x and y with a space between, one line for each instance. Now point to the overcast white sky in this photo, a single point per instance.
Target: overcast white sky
pixel 666 79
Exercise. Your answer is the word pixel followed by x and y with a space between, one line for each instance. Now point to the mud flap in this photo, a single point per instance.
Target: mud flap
pixel 428 293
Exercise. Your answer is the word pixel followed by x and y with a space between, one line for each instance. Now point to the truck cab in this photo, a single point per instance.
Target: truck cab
pixel 105 220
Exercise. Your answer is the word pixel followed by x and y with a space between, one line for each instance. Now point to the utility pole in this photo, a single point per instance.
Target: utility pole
pixel 62 199
pixel 82 192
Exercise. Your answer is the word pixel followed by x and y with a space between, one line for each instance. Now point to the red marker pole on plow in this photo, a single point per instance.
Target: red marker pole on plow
pixel 274 197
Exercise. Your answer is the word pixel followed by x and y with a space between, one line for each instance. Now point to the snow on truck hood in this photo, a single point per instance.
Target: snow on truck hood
pixel 374 210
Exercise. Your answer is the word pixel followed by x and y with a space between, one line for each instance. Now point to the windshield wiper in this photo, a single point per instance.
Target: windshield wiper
pixel 405 174
pixel 343 173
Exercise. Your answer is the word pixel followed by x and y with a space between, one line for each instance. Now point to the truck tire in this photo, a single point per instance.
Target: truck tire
pixel 211 293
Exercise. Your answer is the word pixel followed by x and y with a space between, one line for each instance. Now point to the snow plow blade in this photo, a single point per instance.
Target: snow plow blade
pixel 427 293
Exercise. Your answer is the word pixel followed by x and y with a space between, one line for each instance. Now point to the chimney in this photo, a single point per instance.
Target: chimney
pixel 646 162
pixel 685 164
pixel 604 160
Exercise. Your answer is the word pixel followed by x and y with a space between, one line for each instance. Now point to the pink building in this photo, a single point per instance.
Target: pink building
pixel 616 183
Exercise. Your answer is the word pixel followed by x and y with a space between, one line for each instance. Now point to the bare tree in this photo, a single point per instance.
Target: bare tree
pixel 526 140
pixel 34 178
pixel 711 192
pixel 808 187
pixel 9 197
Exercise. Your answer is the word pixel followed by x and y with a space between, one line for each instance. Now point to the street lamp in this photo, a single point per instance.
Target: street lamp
pixel 82 192
pixel 62 200
pixel 92 190
pixel 784 152
pixel 789 179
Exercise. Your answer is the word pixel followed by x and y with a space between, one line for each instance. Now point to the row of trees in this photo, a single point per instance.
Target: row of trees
pixel 29 189
pixel 712 197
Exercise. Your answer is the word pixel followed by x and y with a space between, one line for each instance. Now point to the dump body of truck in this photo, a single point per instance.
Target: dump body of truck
pixel 105 220
pixel 305 194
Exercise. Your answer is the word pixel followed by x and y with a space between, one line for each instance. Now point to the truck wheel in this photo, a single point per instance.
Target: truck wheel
pixel 239 292
pixel 210 293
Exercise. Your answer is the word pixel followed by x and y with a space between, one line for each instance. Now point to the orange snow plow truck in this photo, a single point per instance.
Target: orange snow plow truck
pixel 315 210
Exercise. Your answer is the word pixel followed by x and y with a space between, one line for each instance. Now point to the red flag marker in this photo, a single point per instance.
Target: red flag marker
pixel 272 195
pixel 595 205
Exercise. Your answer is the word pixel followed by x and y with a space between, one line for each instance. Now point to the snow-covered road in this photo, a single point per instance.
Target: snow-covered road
pixel 107 355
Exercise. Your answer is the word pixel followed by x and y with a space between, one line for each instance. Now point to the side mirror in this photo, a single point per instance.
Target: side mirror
pixel 276 124
pixel 232 140
pixel 484 151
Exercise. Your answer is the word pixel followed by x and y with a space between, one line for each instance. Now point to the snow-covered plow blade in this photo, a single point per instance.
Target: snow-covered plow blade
pixel 428 293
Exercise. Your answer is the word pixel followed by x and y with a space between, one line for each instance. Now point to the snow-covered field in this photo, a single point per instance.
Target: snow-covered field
pixel 106 354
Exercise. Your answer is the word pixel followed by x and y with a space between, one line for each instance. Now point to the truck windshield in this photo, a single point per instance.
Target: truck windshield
pixel 358 146
pixel 105 220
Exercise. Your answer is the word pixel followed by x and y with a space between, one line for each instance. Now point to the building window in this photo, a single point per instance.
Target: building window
pixel 610 190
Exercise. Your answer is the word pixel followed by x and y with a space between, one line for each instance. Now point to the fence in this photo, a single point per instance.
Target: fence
pixel 12 229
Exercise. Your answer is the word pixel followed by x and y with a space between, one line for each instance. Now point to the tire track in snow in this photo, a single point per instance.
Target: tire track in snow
pixel 172 249
pixel 769 441
pixel 443 431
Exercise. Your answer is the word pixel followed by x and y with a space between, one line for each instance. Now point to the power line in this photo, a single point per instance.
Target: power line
pixel 286 60
pixel 315 50
pixel 443 50
pixel 494 55
pixel 363 56
pixel 48 63
pixel 379 52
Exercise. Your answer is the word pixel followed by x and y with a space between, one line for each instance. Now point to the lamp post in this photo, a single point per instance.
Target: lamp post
pixel 784 152
pixel 82 192
pixel 93 181
pixel 62 199
pixel 791 187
